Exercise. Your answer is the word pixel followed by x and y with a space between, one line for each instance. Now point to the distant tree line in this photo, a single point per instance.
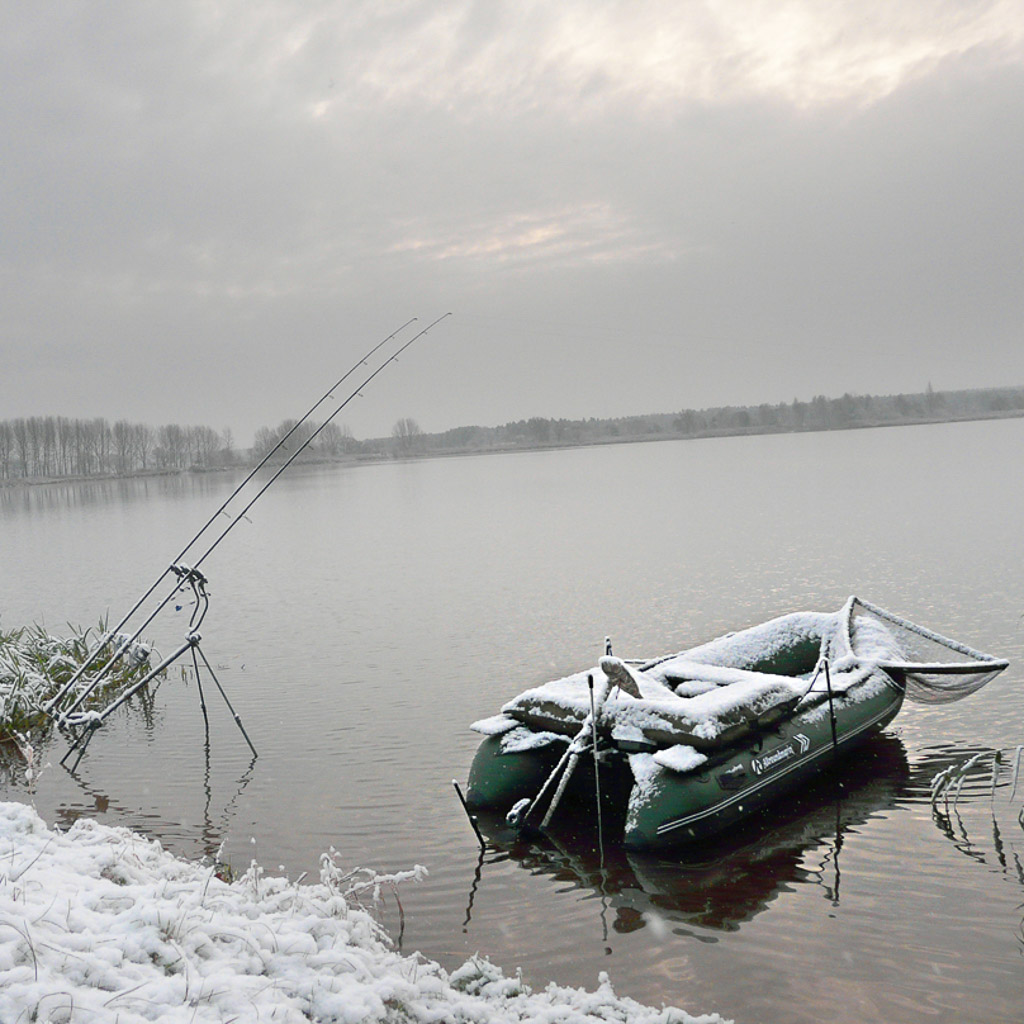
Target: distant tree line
pixel 56 446
pixel 820 413
pixel 322 441
pixel 42 447
pixel 316 443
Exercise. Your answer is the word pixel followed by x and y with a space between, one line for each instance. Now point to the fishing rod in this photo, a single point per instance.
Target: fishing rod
pixel 189 574
pixel 309 440
pixel 186 574
pixel 54 701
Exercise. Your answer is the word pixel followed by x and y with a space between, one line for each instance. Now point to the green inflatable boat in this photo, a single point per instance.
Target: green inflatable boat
pixel 678 748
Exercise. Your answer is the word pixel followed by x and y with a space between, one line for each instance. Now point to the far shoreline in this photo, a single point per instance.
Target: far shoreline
pixel 375 458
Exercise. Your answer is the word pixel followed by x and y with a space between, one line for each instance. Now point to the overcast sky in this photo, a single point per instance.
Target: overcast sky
pixel 209 209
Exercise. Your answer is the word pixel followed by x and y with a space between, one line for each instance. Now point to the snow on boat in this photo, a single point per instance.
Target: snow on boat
pixel 685 745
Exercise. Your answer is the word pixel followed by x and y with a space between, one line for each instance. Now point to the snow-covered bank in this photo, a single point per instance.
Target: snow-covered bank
pixel 100 924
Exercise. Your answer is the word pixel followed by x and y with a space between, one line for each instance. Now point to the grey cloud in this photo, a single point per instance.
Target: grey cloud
pixel 246 197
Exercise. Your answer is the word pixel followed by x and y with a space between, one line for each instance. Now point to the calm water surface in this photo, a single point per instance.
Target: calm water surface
pixel 366 615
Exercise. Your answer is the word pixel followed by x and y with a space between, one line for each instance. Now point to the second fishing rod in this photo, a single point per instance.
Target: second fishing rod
pixel 184 572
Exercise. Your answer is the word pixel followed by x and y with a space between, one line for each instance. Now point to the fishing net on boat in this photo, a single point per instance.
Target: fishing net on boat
pixel 937 670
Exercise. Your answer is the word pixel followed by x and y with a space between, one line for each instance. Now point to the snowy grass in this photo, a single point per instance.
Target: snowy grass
pixel 34 666
pixel 98 924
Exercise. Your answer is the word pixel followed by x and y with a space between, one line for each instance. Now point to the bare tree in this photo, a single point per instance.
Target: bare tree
pixel 205 445
pixel 267 438
pixel 173 445
pixel 123 446
pixel 227 447
pixel 406 433
pixel 19 427
pixel 335 439
pixel 6 448
pixel 142 445
pixel 65 445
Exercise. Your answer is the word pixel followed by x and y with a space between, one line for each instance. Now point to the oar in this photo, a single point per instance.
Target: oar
pixel 617 674
pixel 524 808
pixel 578 745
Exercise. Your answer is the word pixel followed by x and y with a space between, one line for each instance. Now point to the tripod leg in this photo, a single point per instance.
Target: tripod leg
pixel 199 683
pixel 76 741
pixel 234 714
pixel 81 743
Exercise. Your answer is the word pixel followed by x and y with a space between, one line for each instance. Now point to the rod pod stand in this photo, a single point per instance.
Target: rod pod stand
pixel 91 722
pixel 187 575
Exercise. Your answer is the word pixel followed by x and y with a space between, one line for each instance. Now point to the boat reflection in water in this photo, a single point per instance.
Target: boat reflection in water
pixel 721 883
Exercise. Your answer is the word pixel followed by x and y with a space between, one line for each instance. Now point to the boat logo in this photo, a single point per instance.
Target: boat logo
pixel 800 744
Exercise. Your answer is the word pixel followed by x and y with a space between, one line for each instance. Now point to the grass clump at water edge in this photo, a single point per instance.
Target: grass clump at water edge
pixel 35 665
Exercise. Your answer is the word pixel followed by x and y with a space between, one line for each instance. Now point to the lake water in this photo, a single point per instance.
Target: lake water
pixel 366 615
